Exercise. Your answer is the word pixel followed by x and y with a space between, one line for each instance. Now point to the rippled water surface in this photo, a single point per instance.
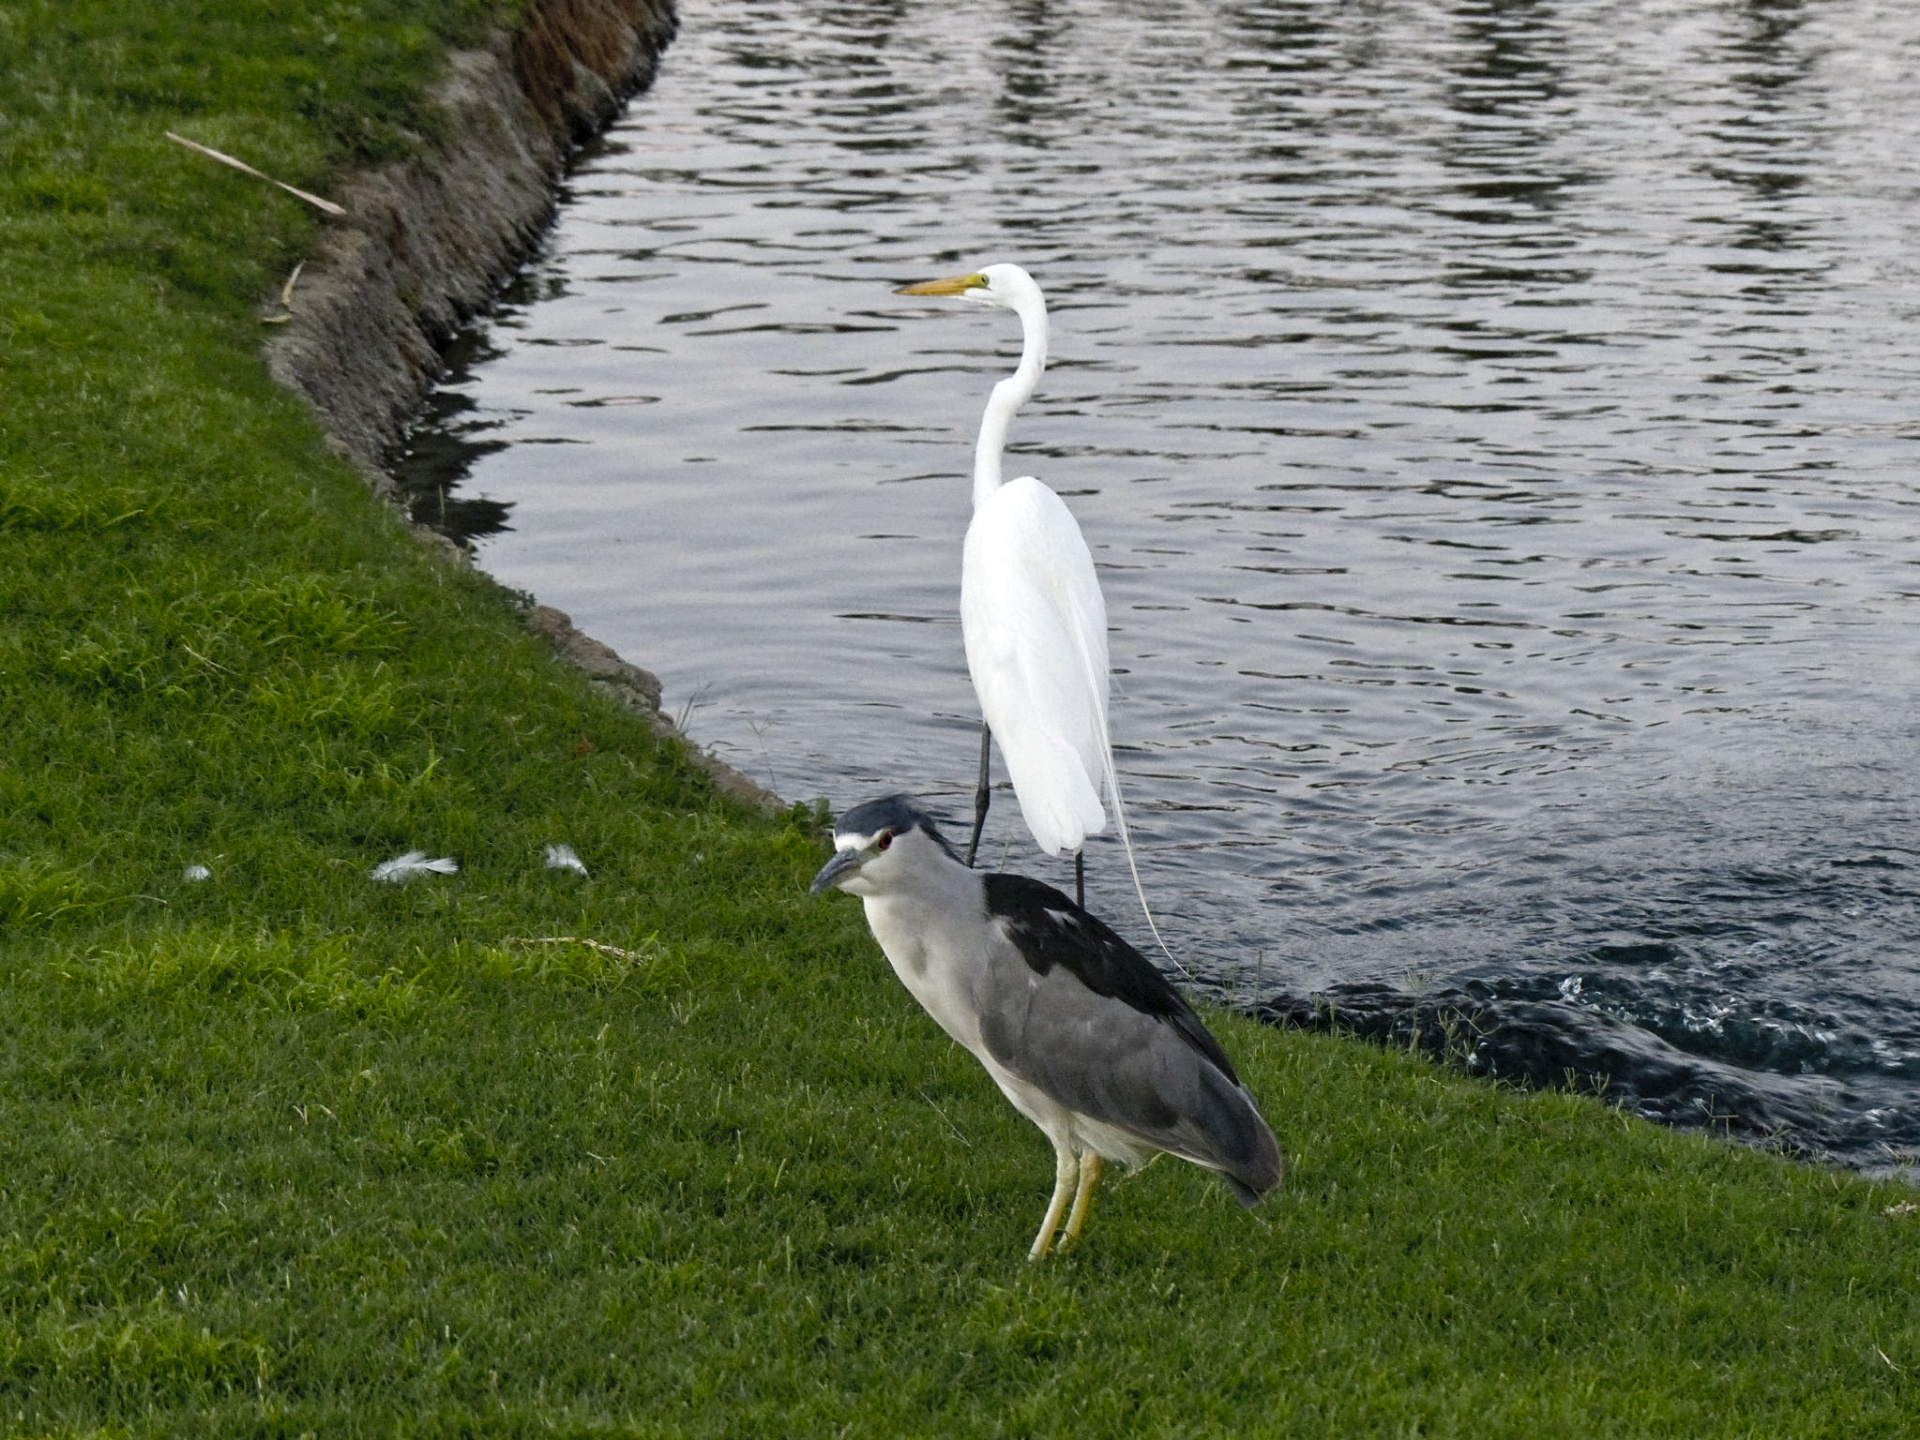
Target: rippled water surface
pixel 1497 426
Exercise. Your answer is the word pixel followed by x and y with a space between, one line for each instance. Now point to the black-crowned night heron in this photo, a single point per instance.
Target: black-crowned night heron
pixel 1084 1036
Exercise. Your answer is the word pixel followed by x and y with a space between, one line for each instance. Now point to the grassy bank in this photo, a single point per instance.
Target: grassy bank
pixel 285 1151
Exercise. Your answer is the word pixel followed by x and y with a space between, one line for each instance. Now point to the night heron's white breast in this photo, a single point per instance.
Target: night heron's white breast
pixel 943 966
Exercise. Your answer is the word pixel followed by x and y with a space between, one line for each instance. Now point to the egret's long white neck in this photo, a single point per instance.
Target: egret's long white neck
pixel 1010 394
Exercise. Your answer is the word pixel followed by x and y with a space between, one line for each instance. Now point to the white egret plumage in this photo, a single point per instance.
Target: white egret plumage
pixel 1032 614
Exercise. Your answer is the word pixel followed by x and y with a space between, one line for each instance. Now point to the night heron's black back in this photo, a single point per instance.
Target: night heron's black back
pixel 1116 1041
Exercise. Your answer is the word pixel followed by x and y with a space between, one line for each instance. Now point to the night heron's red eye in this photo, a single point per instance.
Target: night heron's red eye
pixel 885 840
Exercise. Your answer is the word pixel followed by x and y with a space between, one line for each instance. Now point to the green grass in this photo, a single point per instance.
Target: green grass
pixel 286 1151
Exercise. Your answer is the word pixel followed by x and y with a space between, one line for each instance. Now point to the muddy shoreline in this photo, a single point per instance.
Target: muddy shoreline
pixel 429 243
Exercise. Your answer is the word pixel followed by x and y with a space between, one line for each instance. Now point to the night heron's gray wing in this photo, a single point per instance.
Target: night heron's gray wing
pixel 1083 1016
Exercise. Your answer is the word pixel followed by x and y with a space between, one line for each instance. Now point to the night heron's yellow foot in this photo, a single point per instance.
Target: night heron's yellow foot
pixel 1082 1200
pixel 1066 1170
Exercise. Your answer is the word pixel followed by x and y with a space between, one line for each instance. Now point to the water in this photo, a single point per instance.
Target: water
pixel 1495 425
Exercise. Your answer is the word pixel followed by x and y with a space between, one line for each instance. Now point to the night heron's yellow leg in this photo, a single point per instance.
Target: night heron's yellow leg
pixel 1082 1199
pixel 1066 1170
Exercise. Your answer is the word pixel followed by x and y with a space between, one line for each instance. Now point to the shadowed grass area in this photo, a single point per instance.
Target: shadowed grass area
pixel 283 1150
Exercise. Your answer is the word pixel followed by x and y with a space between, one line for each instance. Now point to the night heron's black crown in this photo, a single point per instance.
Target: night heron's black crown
pixel 897 813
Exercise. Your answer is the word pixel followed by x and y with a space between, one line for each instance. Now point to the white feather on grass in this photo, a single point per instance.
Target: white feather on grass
pixel 414 862
pixel 562 857
pixel 196 872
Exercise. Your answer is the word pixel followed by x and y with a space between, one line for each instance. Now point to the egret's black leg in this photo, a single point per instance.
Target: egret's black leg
pixel 982 792
pixel 1080 880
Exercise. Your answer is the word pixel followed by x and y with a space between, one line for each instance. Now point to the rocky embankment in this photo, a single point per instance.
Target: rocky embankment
pixel 426 245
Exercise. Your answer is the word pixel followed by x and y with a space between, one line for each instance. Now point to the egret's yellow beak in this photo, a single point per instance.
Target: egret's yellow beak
pixel 957 285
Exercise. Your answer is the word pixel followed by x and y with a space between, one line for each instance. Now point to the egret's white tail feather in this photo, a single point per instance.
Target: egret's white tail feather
pixel 1126 834
pixel 1133 869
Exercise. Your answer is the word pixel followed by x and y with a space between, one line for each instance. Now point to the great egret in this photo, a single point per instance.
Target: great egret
pixel 1032 615
pixel 1077 1029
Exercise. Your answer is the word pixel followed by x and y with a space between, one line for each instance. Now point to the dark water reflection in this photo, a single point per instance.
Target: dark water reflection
pixel 1495 424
